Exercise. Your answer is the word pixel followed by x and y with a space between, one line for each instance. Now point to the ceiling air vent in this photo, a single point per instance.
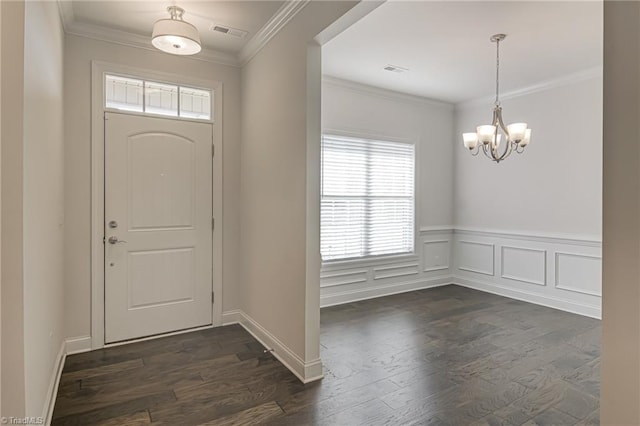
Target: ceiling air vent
pixel 395 68
pixel 224 29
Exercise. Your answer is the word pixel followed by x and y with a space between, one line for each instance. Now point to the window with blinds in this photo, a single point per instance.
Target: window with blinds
pixel 367 198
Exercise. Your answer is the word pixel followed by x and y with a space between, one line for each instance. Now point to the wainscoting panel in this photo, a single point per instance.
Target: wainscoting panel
pixel 436 255
pixel 395 271
pixel 559 271
pixel 579 273
pixel 555 271
pixel 343 278
pixel 524 264
pixel 344 282
pixel 476 257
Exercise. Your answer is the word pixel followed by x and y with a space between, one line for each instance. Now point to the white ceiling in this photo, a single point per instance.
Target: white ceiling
pixel 446 47
pixel 137 17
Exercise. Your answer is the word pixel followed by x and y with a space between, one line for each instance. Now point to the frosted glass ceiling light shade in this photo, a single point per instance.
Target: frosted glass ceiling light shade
pixel 516 135
pixel 174 35
pixel 470 140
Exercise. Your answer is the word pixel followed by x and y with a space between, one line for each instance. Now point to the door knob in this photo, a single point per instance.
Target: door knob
pixel 114 240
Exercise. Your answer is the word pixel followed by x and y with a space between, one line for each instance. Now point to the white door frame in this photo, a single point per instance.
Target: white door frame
pixel 98 70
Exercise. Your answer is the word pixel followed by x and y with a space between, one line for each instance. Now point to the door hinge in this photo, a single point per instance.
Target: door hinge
pixel 213 297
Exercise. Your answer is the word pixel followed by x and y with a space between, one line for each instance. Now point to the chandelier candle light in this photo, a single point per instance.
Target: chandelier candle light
pixel 489 137
pixel 174 35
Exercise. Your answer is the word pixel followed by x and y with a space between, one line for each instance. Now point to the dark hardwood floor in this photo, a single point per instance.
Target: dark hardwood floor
pixel 443 356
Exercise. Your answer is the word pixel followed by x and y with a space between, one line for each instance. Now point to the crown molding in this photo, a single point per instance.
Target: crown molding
pixel 382 93
pixel 535 88
pixel 66 13
pixel 282 16
pixel 125 38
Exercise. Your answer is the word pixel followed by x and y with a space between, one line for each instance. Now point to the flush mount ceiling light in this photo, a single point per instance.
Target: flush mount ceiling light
pixel 174 35
pixel 516 135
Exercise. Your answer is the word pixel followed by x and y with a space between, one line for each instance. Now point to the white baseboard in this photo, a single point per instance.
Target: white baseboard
pixel 232 317
pixel 380 291
pixel 67 347
pixel 52 391
pixel 305 371
pixel 78 345
pixel 556 303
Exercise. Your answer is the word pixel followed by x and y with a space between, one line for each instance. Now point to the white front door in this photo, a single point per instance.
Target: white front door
pixel 158 225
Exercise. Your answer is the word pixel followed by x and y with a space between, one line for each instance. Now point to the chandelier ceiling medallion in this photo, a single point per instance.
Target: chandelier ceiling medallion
pixel 174 35
pixel 489 137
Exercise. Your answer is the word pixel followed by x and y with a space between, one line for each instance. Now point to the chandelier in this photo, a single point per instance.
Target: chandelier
pixel 489 137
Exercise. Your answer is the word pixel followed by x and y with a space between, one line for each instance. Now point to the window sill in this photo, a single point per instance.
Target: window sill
pixel 334 265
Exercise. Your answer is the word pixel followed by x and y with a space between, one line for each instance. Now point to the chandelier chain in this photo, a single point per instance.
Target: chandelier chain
pixel 497 102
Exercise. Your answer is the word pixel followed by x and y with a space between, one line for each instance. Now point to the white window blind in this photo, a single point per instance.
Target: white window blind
pixel 367 198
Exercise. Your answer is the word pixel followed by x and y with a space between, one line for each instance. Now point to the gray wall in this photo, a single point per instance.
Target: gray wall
pixel 32 201
pixel 43 201
pixel 556 185
pixel 11 251
pixel 275 95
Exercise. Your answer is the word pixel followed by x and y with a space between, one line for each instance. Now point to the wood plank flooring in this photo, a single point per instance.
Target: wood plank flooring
pixel 443 356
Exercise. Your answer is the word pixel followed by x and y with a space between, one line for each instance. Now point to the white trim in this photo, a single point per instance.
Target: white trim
pixel 78 345
pixel 553 83
pixel 379 92
pixel 550 302
pixel 385 271
pixel 306 372
pixel 380 291
pixel 98 69
pixel 287 11
pixel 524 280
pixel 231 317
pixel 357 277
pixel 437 268
pixel 544 237
pixel 54 382
pixel 436 229
pixel 364 262
pixel 66 13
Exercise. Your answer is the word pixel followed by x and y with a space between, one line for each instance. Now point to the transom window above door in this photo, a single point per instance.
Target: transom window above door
pixel 367 198
pixel 151 97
